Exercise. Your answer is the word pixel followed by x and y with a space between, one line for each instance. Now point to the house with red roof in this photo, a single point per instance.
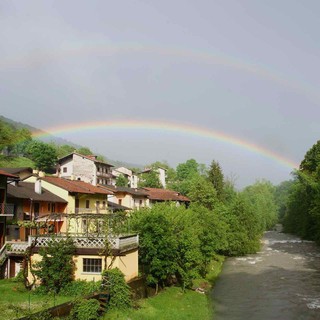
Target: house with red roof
pixel 156 195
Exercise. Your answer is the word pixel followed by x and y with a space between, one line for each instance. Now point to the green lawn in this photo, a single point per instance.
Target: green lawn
pixel 16 301
pixel 170 304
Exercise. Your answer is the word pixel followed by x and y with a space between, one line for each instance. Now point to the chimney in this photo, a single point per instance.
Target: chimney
pixel 93 157
pixel 42 174
pixel 37 186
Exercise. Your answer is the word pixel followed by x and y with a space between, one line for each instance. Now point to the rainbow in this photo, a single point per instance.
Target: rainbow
pixel 35 60
pixel 173 127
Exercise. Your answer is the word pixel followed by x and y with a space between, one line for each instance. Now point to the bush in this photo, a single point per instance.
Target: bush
pixel 80 288
pixel 120 295
pixel 85 310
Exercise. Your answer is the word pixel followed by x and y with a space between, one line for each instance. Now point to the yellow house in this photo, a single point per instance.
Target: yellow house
pixel 132 198
pixel 87 221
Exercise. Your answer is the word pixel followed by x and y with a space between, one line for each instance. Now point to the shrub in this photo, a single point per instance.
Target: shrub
pixel 80 288
pixel 85 310
pixel 120 295
pixel 56 268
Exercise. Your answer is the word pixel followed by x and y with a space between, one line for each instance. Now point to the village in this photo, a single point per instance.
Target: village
pixel 75 203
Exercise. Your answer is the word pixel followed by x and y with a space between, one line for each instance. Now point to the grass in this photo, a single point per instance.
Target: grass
pixel 173 304
pixel 170 304
pixel 16 301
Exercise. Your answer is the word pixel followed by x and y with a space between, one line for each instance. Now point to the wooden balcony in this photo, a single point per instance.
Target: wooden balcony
pixel 121 243
pixel 6 209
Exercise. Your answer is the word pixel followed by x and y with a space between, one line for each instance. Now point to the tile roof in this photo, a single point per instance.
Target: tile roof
pixel 6 174
pixel 16 170
pixel 133 191
pixel 25 190
pixel 165 195
pixel 117 207
pixel 76 186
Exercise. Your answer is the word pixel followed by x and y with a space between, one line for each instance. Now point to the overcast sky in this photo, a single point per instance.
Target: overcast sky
pixel 247 69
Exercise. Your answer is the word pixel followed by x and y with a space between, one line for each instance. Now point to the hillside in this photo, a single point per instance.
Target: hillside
pixel 60 141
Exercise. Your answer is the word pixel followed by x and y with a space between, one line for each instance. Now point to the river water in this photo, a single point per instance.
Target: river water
pixel 280 282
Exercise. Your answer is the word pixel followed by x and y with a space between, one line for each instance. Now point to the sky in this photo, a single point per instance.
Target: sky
pixel 246 72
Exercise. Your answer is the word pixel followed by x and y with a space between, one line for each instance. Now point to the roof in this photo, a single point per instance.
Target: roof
pixel 17 170
pixel 26 190
pixel 165 195
pixel 133 191
pixel 82 155
pixel 117 207
pixel 76 186
pixel 8 175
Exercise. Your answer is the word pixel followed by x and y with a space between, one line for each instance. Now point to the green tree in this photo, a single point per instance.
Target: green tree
pixel 56 268
pixel 201 192
pixel 43 155
pixel 85 151
pixel 261 196
pixel 187 170
pixel 63 150
pixel 122 181
pixel 215 176
pixel 150 180
pixel 157 245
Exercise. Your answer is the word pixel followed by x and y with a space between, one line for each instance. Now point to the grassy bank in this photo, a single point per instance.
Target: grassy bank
pixel 16 301
pixel 172 303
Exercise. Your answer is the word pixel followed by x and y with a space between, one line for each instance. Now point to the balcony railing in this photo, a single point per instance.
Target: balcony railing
pixel 89 210
pixel 121 243
pixel 6 209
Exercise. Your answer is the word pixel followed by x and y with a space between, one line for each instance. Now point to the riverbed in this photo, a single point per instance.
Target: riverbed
pixel 282 281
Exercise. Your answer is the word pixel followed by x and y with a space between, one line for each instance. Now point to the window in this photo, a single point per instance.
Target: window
pixel 103 204
pixel 120 201
pixel 92 265
pixel 65 169
pixel 140 202
pixel 53 207
pixel 49 207
pixel 87 204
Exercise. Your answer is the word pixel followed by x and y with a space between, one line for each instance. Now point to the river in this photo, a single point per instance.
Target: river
pixel 282 281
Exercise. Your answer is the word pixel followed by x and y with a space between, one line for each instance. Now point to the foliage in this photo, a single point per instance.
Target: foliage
pixel 85 310
pixel 169 304
pixel 56 268
pixel 302 215
pixel 85 151
pixel 157 244
pixel 44 155
pixel 63 150
pixel 122 181
pixel 187 170
pixel 150 180
pixel 120 295
pixel 281 195
pixel 201 192
pixel 10 137
pixel 261 195
pixel 215 176
pixel 80 288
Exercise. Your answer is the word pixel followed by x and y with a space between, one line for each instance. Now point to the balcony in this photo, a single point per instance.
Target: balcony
pixel 89 210
pixel 6 210
pixel 120 243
